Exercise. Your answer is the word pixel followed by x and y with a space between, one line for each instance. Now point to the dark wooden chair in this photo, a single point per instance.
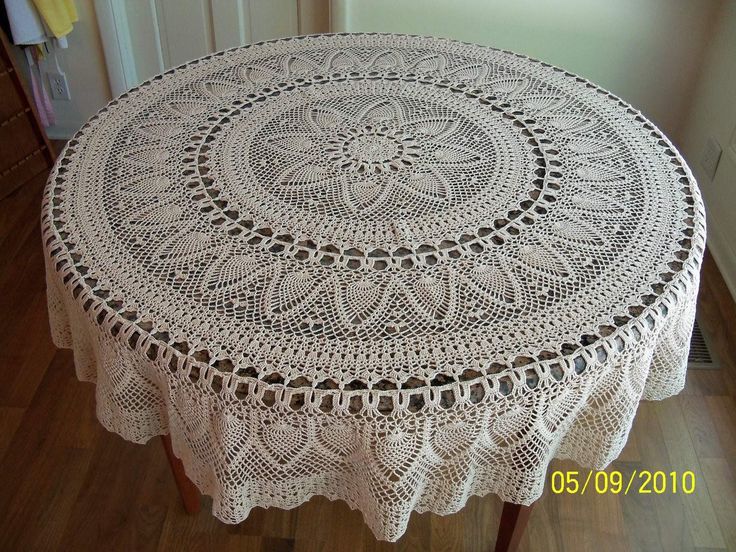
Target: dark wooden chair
pixel 31 153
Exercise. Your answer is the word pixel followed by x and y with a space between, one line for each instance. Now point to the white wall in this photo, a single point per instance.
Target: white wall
pixel 646 51
pixel 714 115
pixel 84 65
pixel 167 33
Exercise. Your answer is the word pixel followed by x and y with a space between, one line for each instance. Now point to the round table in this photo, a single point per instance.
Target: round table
pixel 393 270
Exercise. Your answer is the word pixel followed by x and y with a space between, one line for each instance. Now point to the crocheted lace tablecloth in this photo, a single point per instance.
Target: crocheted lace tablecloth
pixel 396 271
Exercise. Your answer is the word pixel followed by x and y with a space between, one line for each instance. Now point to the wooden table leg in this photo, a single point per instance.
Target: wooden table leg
pixel 514 518
pixel 188 491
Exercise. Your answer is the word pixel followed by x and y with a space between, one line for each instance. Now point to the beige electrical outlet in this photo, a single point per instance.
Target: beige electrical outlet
pixel 710 157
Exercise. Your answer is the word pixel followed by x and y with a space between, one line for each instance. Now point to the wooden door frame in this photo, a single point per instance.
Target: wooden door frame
pixel 112 20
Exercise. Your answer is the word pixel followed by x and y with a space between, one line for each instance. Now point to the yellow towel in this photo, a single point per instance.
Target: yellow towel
pixel 58 15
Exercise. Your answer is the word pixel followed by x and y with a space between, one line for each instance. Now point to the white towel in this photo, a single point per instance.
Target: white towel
pixel 25 23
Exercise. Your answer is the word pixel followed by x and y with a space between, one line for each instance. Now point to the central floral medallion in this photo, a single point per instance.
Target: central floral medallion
pixel 372 174
pixel 373 150
pixel 372 158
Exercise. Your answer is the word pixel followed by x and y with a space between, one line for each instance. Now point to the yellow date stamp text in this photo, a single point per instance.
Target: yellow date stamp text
pixel 616 482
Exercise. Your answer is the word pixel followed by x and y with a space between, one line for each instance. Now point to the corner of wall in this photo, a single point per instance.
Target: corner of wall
pixel 723 255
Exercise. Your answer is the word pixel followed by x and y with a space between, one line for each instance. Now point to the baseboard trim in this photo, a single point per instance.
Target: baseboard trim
pixel 60 133
pixel 723 254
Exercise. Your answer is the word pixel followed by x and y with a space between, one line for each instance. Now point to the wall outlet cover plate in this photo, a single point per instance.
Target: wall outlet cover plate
pixel 710 157
pixel 59 86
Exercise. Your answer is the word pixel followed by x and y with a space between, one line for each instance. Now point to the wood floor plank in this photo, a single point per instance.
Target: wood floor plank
pixel 705 383
pixel 54 505
pixel 543 531
pixel 21 216
pixel 253 525
pixel 480 519
pixel 640 516
pixel 313 516
pixel 45 419
pixel 44 485
pixel 723 412
pixel 182 531
pixel 631 452
pixel 653 521
pixel 418 535
pixel 575 514
pixel 249 543
pixel 10 419
pixel 273 544
pixel 717 312
pixel 37 351
pixel 349 533
pixel 609 522
pixel 447 532
pixel 721 482
pixel 672 521
pixel 24 282
pixel 703 430
pixel 157 494
pixel 699 510
pixel 279 523
pixel 109 496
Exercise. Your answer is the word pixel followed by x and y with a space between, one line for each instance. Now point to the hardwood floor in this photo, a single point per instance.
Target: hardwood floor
pixel 67 484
